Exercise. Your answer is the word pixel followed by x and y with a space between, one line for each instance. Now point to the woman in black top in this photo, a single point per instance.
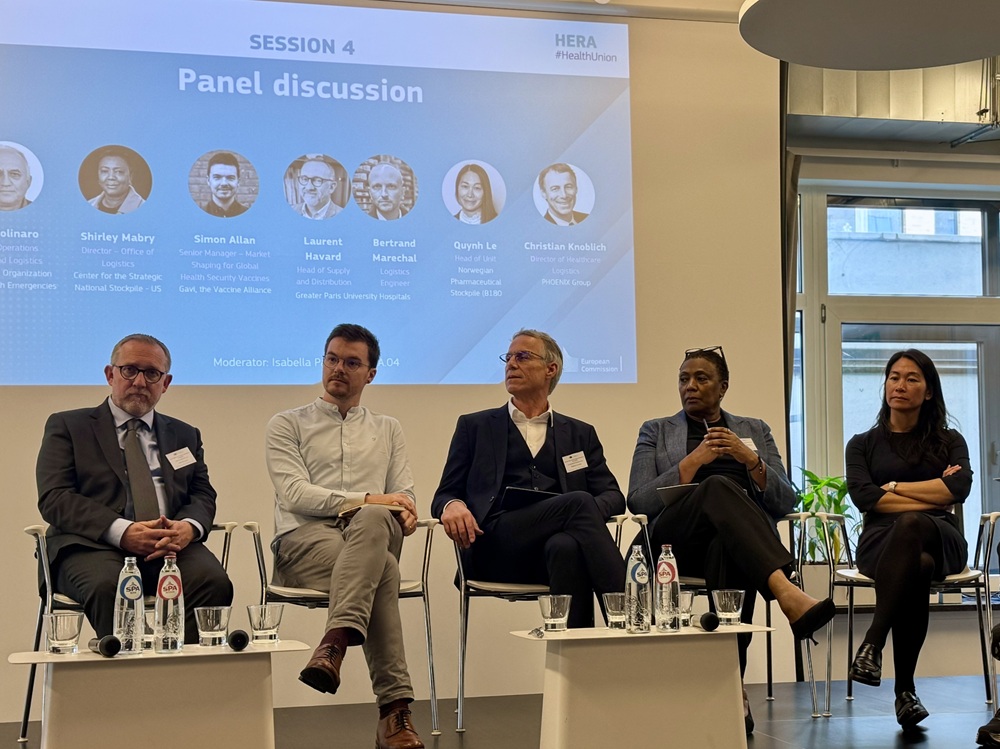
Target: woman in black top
pixel 906 474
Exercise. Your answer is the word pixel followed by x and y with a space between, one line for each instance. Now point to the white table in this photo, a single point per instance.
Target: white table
pixel 609 688
pixel 200 697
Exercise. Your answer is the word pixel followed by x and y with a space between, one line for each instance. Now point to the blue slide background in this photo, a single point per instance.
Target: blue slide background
pixel 71 101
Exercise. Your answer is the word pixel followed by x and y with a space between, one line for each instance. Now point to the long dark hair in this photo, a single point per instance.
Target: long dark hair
pixel 488 211
pixel 932 422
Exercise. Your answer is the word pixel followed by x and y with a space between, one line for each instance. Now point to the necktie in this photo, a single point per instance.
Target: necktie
pixel 140 479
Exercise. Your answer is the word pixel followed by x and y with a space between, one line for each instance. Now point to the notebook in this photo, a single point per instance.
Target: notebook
pixel 672 494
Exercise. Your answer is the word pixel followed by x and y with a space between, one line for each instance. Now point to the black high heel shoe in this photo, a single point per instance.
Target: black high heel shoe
pixel 815 618
pixel 867 665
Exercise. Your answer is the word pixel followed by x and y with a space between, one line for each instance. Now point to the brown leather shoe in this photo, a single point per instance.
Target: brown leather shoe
pixel 322 673
pixel 396 731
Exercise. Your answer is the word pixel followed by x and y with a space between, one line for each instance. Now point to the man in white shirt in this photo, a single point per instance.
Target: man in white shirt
pixel 325 458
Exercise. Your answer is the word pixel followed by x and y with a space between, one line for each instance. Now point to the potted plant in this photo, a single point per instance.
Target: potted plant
pixel 827 494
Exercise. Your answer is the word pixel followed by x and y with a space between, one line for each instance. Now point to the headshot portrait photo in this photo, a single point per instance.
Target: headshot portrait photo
pixel 115 179
pixel 224 184
pixel 385 188
pixel 564 194
pixel 316 186
pixel 473 192
pixel 20 176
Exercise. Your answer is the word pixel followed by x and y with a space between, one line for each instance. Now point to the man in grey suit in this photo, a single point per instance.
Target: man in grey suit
pixel 97 516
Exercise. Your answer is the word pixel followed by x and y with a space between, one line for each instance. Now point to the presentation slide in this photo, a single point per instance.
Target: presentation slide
pixel 237 177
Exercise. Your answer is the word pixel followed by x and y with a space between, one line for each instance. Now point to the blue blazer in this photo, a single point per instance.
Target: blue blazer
pixel 477 458
pixel 662 444
pixel 82 482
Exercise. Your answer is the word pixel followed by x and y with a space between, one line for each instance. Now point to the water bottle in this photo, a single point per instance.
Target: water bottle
pixel 637 603
pixel 668 592
pixel 128 622
pixel 168 633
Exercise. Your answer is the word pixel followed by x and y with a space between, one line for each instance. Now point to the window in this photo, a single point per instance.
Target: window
pixel 889 268
pixel 894 246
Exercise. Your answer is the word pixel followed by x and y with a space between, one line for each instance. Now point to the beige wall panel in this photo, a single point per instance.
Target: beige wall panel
pixel 873 93
pixel 840 93
pixel 906 94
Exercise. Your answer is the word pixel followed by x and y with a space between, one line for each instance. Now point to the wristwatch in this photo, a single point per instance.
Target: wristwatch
pixel 892 486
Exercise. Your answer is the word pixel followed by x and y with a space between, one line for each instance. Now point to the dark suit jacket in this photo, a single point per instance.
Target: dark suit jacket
pixel 577 217
pixel 477 457
pixel 81 476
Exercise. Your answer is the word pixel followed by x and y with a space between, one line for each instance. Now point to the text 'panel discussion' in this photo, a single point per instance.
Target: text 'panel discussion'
pixel 469 374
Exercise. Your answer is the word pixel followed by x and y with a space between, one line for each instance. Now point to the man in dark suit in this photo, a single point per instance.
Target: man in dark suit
pixel 559 540
pixel 96 517
pixel 558 185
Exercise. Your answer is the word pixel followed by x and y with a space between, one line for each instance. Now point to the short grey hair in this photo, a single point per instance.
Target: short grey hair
pixel 142 338
pixel 552 351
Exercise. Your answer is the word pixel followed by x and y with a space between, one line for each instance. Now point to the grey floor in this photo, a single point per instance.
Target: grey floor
pixel 956 705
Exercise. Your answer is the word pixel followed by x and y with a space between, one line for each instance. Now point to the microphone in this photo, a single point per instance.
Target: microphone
pixel 108 646
pixel 708 622
pixel 238 640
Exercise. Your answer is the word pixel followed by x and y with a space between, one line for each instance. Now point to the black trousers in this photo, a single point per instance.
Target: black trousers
pixel 562 542
pixel 719 533
pixel 90 576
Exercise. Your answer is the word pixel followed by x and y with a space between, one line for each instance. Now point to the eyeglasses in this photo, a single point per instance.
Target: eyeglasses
pixel 520 356
pixel 351 364
pixel 314 181
pixel 130 372
pixel 692 353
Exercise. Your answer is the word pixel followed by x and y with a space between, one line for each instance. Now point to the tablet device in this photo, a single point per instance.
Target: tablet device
pixel 352 511
pixel 672 494
pixel 516 498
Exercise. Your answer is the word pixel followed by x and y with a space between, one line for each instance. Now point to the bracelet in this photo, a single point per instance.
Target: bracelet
pixel 759 465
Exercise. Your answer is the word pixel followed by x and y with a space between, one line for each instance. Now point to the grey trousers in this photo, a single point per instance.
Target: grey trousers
pixel 358 564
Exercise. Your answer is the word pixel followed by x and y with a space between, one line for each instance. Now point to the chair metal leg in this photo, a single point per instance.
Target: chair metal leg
pixel 984 646
pixel 770 662
pixel 850 641
pixel 435 723
pixel 812 678
pixel 463 636
pixel 829 666
pixel 23 736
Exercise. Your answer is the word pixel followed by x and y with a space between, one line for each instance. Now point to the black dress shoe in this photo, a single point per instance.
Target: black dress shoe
pixel 909 710
pixel 747 715
pixel 867 666
pixel 995 641
pixel 818 616
pixel 989 735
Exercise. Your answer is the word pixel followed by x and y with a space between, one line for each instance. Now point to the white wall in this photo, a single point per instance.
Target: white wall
pixel 705 134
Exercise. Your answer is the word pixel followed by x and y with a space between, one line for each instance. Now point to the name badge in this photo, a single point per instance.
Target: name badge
pixel 748 441
pixel 574 462
pixel 180 458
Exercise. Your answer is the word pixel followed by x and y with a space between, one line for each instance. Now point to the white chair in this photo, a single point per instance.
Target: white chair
pixel 700 587
pixel 51 600
pixel 850 577
pixel 317 599
pixel 469 588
